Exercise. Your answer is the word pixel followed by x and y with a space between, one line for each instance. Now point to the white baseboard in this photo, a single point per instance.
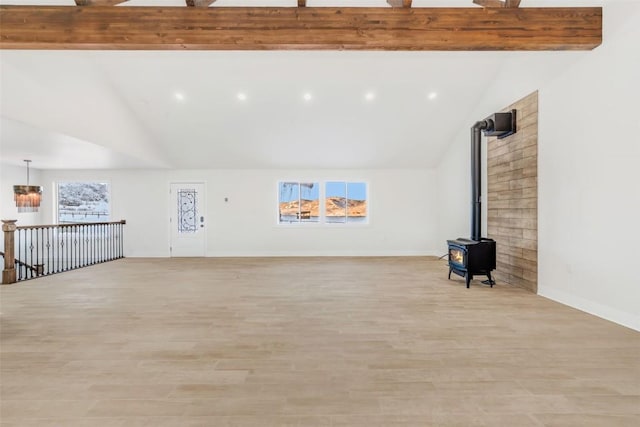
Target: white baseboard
pixel 605 312
pixel 148 255
pixel 272 254
pixel 321 254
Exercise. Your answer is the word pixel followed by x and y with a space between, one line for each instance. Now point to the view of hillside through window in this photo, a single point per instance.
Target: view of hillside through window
pixel 341 202
pixel 83 202
pixel 346 202
pixel 299 202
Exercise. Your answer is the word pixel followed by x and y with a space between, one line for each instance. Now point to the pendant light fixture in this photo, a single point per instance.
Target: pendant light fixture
pixel 27 197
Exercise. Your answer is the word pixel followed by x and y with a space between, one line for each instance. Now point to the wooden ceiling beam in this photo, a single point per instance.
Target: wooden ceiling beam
pixel 99 2
pixel 497 3
pixel 308 28
pixel 199 3
pixel 399 3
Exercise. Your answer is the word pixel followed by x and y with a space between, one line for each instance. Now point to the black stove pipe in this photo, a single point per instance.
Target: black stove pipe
pixel 476 166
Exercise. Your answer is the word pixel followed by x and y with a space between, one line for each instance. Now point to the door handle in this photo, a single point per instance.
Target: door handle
pixel 201 219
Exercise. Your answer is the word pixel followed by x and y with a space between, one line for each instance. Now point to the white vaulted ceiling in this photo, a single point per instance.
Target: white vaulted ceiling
pixel 120 109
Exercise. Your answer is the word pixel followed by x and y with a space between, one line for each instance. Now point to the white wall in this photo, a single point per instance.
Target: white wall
pixel 402 212
pixel 589 152
pixel 589 156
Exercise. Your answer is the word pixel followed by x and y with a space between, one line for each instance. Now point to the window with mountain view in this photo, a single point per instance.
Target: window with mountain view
pixel 298 202
pixel 83 202
pixel 346 202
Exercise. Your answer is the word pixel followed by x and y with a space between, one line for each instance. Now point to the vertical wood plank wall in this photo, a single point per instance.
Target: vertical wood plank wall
pixel 512 189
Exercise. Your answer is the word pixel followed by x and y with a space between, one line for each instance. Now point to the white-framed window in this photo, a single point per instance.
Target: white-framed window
pixel 346 202
pixel 332 202
pixel 83 201
pixel 298 202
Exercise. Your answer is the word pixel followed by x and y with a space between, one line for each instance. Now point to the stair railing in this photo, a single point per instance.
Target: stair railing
pixel 40 250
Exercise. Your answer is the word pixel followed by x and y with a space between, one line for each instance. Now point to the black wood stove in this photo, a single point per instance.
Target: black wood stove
pixel 472 257
pixel 477 255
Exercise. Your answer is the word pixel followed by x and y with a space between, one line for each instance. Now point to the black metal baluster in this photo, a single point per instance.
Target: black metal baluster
pixel 17 251
pixel 54 241
pixel 49 266
pixel 41 231
pixel 93 244
pixel 98 252
pixel 104 243
pixel 37 261
pixel 24 255
pixel 63 248
pixel 76 264
pixel 38 246
pixel 97 243
pixel 89 240
pixel 86 244
pixel 42 257
pixel 56 250
pixel 72 249
pixel 67 248
pixel 30 256
pixel 111 239
pixel 83 246
pixel 70 241
pixel 79 246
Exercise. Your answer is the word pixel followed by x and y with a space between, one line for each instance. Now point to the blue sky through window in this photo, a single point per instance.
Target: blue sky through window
pixel 290 191
pixel 356 190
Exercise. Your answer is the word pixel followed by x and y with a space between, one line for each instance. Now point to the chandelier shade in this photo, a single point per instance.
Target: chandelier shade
pixel 27 197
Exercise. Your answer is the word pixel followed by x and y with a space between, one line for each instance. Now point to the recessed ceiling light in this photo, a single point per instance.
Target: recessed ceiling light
pixel 370 96
pixel 242 96
pixel 432 95
pixel 179 96
pixel 307 96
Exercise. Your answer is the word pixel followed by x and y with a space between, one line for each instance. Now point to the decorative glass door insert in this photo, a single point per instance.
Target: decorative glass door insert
pixel 187 210
pixel 187 219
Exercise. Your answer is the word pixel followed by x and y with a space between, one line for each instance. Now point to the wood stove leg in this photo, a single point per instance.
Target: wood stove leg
pixel 450 272
pixel 468 278
pixel 491 282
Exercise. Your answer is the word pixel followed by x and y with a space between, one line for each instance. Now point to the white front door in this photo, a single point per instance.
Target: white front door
pixel 188 219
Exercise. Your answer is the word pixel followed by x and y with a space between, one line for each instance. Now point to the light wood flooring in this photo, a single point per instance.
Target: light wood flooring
pixel 304 342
